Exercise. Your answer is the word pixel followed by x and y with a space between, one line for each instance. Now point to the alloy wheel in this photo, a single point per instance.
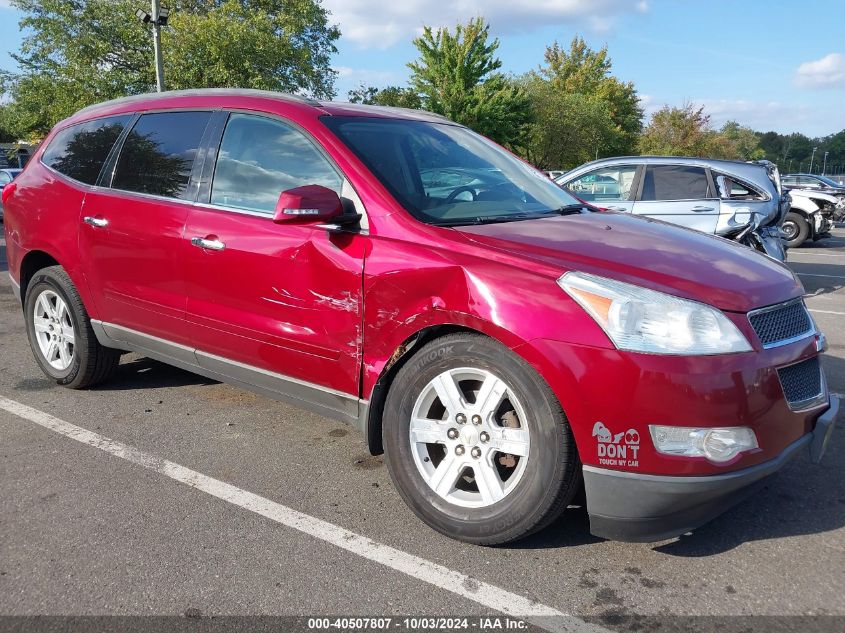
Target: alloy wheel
pixel 469 437
pixel 54 330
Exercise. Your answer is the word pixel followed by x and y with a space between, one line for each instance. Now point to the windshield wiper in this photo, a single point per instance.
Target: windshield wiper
pixel 495 219
pixel 575 208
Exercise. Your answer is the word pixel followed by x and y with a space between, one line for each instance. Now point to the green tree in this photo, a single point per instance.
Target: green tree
pixel 395 96
pixel 457 76
pixel 78 52
pixel 568 129
pixel 737 142
pixel 582 70
pixel 683 131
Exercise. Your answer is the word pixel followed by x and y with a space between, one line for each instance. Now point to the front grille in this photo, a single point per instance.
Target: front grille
pixel 782 323
pixel 803 384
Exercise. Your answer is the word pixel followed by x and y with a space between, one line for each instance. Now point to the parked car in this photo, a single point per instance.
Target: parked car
pixel 811 216
pixel 736 200
pixel 6 176
pixel 290 247
pixel 814 181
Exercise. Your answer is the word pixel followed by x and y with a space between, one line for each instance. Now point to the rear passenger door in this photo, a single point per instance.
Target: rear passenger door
pixel 272 304
pixel 680 194
pixel 133 224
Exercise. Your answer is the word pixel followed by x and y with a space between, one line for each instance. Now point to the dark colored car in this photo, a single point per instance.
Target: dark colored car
pixel 501 344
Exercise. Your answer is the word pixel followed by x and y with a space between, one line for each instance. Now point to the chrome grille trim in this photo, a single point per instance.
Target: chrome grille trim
pixel 757 319
pixel 803 384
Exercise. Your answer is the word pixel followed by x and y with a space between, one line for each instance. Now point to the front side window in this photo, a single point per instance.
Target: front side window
pixel 260 158
pixel 81 150
pixel 159 152
pixel 447 175
pixel 5 178
pixel 674 182
pixel 610 184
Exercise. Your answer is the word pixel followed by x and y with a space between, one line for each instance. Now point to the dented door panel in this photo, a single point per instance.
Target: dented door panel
pixel 286 299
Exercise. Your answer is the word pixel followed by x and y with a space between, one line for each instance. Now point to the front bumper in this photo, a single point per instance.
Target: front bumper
pixel 626 506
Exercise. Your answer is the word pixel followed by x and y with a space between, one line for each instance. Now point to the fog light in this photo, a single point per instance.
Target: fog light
pixel 716 444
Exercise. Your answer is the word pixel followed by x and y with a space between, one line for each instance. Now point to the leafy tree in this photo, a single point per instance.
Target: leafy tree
pixel 456 76
pixel 78 52
pixel 568 129
pixel 681 131
pixel 7 126
pixel 394 96
pixel 582 70
pixel 737 142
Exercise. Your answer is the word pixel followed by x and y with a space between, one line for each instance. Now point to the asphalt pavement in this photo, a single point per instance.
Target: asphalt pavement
pixel 163 493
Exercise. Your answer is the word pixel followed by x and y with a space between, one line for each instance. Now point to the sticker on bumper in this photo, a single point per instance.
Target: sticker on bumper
pixel 617 449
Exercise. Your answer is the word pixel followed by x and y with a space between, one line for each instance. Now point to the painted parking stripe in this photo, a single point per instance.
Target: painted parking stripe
pixel 487 595
pixel 825 311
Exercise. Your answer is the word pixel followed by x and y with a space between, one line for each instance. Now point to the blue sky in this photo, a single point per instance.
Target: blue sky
pixel 767 64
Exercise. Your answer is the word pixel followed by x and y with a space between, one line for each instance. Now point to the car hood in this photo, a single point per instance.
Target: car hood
pixel 648 253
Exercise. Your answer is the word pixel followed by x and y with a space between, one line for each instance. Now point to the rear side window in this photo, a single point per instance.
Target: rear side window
pixel 260 158
pixel 675 182
pixel 80 151
pixel 158 154
pixel 730 188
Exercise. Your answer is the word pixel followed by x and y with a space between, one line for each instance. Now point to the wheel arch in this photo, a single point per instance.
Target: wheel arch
pixel 372 423
pixel 38 259
pixel 31 263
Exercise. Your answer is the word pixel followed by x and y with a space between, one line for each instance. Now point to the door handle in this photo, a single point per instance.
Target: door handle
pixel 208 244
pixel 701 209
pixel 616 208
pixel 95 221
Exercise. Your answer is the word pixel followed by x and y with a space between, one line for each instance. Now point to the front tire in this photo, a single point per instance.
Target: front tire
pixel 796 229
pixel 476 442
pixel 60 334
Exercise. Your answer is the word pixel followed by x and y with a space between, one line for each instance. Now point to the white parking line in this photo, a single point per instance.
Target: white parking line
pixel 460 584
pixel 811 254
pixel 826 311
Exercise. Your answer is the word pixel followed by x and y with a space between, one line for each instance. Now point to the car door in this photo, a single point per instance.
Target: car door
pixel 273 305
pixel 680 194
pixel 608 188
pixel 132 234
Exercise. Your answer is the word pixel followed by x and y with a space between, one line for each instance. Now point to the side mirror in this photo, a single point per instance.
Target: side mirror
pixel 310 204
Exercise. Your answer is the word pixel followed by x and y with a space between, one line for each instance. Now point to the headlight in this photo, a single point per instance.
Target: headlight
pixel 717 445
pixel 642 320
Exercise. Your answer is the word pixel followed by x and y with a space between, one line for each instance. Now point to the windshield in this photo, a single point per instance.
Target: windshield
pixel 447 175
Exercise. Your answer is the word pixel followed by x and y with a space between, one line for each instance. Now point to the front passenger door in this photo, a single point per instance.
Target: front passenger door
pixel 272 304
pixel 680 194
pixel 608 188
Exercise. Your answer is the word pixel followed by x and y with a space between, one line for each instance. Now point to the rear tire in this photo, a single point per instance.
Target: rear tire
pixel 60 335
pixel 501 462
pixel 796 229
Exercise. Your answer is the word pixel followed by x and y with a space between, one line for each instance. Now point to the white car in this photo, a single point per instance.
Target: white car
pixel 810 216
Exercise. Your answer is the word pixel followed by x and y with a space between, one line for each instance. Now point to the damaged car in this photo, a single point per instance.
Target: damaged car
pixel 468 323
pixel 736 200
pixel 811 216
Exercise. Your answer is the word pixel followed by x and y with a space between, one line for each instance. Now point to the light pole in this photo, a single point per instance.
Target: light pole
pixel 158 19
pixel 812 156
pixel 824 166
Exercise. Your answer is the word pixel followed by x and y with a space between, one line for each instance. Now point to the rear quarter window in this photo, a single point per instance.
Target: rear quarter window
pixel 80 151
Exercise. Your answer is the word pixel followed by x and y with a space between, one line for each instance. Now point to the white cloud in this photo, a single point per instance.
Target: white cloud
pixel 827 72
pixel 5 4
pixel 366 76
pixel 383 23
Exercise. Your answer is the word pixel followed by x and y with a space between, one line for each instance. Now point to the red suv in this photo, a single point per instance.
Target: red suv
pixel 389 268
